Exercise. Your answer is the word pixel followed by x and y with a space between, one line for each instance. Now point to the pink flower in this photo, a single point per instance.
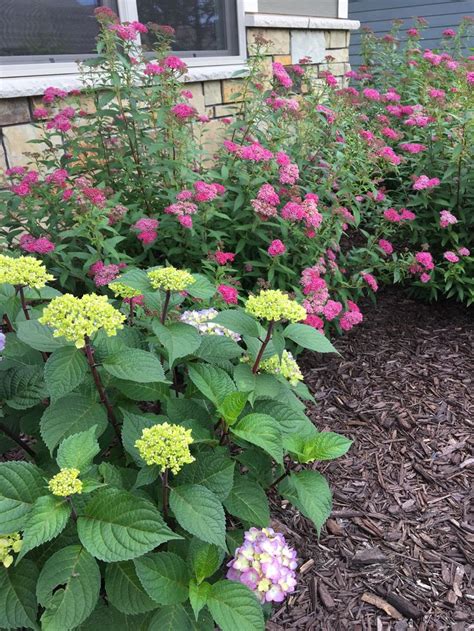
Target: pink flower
pixel 207 192
pixel 174 63
pixel 392 215
pixel 40 112
pixel 425 259
pixel 276 248
pixel 425 278
pixel 386 246
pixel 289 174
pixel 332 309
pixel 371 282
pixel 464 251
pixel 186 94
pixel 105 274
pixel 413 147
pixel 51 93
pixel 57 177
pixel 183 111
pixel 292 211
pixel 152 69
pixel 371 94
pixel 146 223
pixel 128 32
pixel 281 75
pixel 446 219
pixel 449 32
pixel 22 189
pixel 40 246
pixel 255 153
pixel 434 93
pixel 413 32
pixel 222 258
pixel 349 319
pixel 268 195
pixel 147 236
pixel 423 182
pixel 228 293
pixel 315 321
pixel 184 196
pixel 470 78
pixel 407 215
pixel 186 221
pixel 388 154
pixel 67 194
pixel 388 132
pixel 116 214
pixel 451 256
pixel 95 195
pixel 15 171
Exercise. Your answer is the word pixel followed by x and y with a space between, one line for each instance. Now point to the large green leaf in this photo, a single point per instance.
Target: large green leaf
pixel 136 279
pixel 232 406
pixel 164 577
pixel 179 339
pixel 39 336
pixel 118 526
pixel 291 420
pixel 141 391
pixel 133 364
pixel 248 502
pixel 68 588
pixel 23 387
pixel 124 590
pixel 261 430
pixel 234 607
pixel 199 511
pixel 21 483
pixel 238 321
pixel 72 414
pixel 180 618
pixel 18 604
pixel 218 349
pixel 204 558
pixel 48 517
pixel 78 450
pixel 201 288
pixel 213 382
pixel 64 371
pixel 322 446
pixel 132 428
pixel 308 337
pixel 310 493
pixel 213 470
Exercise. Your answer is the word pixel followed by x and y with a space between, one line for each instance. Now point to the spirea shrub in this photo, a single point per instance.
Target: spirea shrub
pixel 150 435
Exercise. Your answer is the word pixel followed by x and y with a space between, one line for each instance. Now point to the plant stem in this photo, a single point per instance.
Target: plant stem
pixel 19 441
pixel 130 315
pixel 8 324
pixel 280 478
pixel 104 399
pixel 24 306
pixel 263 347
pixel 165 489
pixel 73 510
pixel 165 306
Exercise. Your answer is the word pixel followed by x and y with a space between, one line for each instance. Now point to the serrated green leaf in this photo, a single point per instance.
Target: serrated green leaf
pixel 48 517
pixel 39 336
pixel 124 590
pixel 310 493
pixel 132 428
pixel 213 470
pixel 261 430
pixel 180 618
pixel 164 577
pixel 238 321
pixel 218 349
pixel 322 446
pixel 204 558
pixel 142 391
pixel 199 511
pixel 18 604
pixel 21 483
pixel 71 414
pixel 213 382
pixel 133 364
pixel 23 387
pixel 136 279
pixel 308 337
pixel 198 595
pixel 179 339
pixel 78 450
pixel 64 371
pixel 201 288
pixel 118 526
pixel 248 501
pixel 232 406
pixel 233 606
pixel 68 588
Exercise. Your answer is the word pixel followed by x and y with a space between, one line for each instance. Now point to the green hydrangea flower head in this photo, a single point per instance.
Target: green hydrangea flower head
pixel 66 483
pixel 273 304
pixel 73 318
pixel 8 544
pixel 122 291
pixel 24 270
pixel 170 279
pixel 166 446
pixel 286 367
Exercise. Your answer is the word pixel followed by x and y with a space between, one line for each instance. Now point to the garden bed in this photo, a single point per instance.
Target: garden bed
pixel 403 391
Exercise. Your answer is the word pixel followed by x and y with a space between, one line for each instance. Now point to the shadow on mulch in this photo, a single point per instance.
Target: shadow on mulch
pixel 396 553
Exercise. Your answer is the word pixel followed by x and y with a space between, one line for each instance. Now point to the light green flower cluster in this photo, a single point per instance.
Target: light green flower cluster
pixel 122 291
pixel 273 304
pixel 166 446
pixel 286 367
pixel 8 544
pixel 66 483
pixel 170 279
pixel 24 270
pixel 73 318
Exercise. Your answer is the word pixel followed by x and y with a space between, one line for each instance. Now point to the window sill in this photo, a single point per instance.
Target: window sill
pixel 270 20
pixel 13 87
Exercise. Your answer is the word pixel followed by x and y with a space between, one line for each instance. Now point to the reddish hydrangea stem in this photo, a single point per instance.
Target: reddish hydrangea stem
pixel 130 315
pixel 24 306
pixel 165 490
pixel 8 324
pixel 263 347
pixel 280 478
pixel 165 307
pixel 19 441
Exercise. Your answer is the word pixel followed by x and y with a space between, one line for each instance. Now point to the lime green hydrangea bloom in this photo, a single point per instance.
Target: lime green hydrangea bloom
pixel 273 304
pixel 24 270
pixel 170 279
pixel 66 483
pixel 166 446
pixel 122 291
pixel 286 367
pixel 8 544
pixel 73 318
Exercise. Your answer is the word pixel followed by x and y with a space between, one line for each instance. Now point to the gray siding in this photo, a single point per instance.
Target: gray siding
pixel 311 8
pixel 378 15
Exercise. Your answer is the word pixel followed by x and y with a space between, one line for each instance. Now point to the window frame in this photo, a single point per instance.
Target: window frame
pixel 127 11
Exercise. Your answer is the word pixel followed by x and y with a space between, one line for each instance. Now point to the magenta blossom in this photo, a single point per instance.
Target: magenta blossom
pixel 222 258
pixel 228 293
pixel 451 257
pixel 423 182
pixel 386 246
pixel 276 248
pixel 446 219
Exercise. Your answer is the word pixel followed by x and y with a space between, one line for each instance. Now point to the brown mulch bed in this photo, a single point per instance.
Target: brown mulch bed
pixel 397 552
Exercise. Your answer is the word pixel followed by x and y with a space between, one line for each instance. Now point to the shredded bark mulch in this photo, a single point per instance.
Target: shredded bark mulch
pixel 397 552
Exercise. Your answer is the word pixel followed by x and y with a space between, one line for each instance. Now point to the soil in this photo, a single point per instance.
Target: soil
pixel 398 550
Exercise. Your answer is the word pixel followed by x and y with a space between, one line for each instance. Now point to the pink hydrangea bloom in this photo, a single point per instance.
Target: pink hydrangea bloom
pixel 228 293
pixel 222 258
pixel 332 309
pixel 446 219
pixel 451 256
pixel 386 246
pixel 276 248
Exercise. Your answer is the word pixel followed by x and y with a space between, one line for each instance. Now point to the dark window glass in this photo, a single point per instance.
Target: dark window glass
pixel 203 27
pixel 47 28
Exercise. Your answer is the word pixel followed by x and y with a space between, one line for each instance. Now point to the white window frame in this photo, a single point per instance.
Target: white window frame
pixel 28 79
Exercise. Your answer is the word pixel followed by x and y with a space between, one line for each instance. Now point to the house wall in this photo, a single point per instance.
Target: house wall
pixel 309 36
pixel 379 14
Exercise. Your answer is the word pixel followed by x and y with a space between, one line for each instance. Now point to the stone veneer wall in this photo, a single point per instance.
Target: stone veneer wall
pixel 214 98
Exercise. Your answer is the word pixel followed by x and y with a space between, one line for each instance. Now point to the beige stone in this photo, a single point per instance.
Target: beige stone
pixel 339 55
pixel 337 39
pixel 335 68
pixel 231 88
pixel 16 144
pixel 225 110
pixel 279 39
pixel 3 166
pixel 212 92
pixel 198 96
pixel 213 135
pixel 283 59
pixel 14 111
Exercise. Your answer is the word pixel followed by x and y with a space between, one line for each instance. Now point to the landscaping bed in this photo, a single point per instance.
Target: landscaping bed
pixel 402 390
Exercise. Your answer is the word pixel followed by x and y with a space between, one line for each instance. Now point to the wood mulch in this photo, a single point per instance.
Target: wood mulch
pixel 398 550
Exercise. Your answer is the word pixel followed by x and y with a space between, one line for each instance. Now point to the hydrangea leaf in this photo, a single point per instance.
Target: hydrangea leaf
pixel 233 606
pixel 307 337
pixel 18 605
pixel 261 430
pixel 248 502
pixel 64 371
pixel 309 492
pixel 48 517
pixel 21 483
pixel 164 576
pixel 133 364
pixel 124 590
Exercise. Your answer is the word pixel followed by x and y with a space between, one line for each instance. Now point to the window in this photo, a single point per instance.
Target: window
pixel 40 38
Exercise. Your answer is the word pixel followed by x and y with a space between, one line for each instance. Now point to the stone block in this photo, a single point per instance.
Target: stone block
pixel 283 59
pixel 213 134
pixel 308 44
pixel 339 55
pixel 279 39
pixel 198 96
pixel 337 39
pixel 335 68
pixel 225 110
pixel 3 166
pixel 230 88
pixel 16 139
pixel 212 92
pixel 14 111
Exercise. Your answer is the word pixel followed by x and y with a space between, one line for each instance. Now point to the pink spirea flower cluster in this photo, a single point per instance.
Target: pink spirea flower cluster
pixel 52 93
pixel 222 258
pixel 266 202
pixel 371 281
pixel 174 63
pixel 58 177
pixel 395 216
pixel 280 103
pixel 351 317
pixel 413 147
pixel 386 246
pixel 425 259
pixel 266 564
pixel 23 180
pixel 289 173
pixel 42 245
pixel 281 75
pixel 103 274
pixel 116 214
pixel 128 31
pixel 446 219
pixel 276 248
pixel 183 111
pixel 147 229
pixel 450 256
pixel 186 206
pixel 388 154
pixel 228 294
pixel 423 182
